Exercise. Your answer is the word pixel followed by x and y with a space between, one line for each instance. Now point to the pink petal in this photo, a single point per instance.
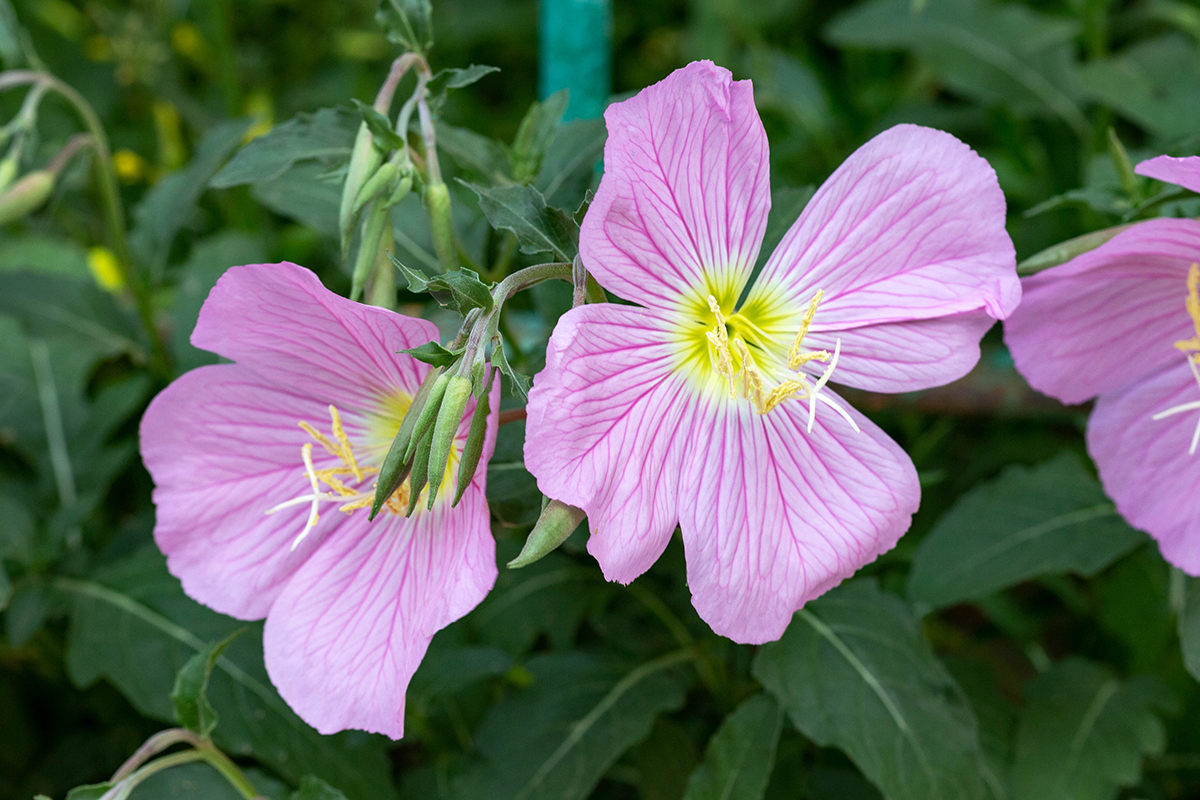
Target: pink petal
pixel 1109 317
pixel 278 320
pixel 685 191
pixel 773 516
pixel 1183 172
pixel 906 356
pixel 346 635
pixel 607 420
pixel 911 226
pixel 1144 463
pixel 223 447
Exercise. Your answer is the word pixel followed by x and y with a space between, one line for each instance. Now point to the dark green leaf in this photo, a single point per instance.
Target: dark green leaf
pixel 1155 83
pixel 310 193
pixel 1189 627
pixel 52 306
pixel 386 137
pixel 445 80
pixel 408 23
pixel 740 755
pixel 480 156
pixel 535 134
pixel 1083 733
pixel 523 210
pixel 555 739
pixel 325 136
pixel 90 792
pixel 133 625
pixel 1025 523
pixel 571 165
pixel 313 788
pixel 665 760
pixel 518 382
pixel 168 206
pixel 434 354
pixel 190 693
pixel 854 671
pixel 460 290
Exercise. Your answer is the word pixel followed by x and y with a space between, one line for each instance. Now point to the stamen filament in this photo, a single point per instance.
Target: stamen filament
pixel 824 379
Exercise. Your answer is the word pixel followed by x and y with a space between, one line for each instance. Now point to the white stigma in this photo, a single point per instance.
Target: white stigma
pixel 1184 407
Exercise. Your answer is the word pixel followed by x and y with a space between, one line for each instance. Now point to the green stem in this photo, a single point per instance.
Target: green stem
pixel 127 786
pixel 153 746
pixel 229 770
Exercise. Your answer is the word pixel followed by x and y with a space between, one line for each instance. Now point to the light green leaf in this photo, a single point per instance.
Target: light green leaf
pixel 481 157
pixel 309 193
pixel 535 134
pixel 555 739
pixel 190 693
pixel 998 54
pixel 740 755
pixel 57 306
pixel 523 210
pixel 854 671
pixel 325 136
pixel 132 624
pixel 1083 733
pixel 93 791
pixel 1027 522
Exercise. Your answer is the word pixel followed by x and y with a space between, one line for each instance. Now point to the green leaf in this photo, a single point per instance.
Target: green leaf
pixel 325 136
pixel 313 788
pixel 445 80
pixel 787 203
pixel 170 204
pixel 132 625
pixel 665 760
pixel 570 166
pixel 408 23
pixel 310 193
pixel 1155 83
pixel 523 210
pixel 190 694
pixel 1083 733
pixel 786 83
pixel 386 137
pixel 518 382
pixel 555 739
pixel 434 354
pixel 998 54
pixel 460 290
pixel 535 134
pixel 92 791
pixel 57 306
pixel 1027 522
pixel 480 156
pixel 740 755
pixel 1189 627
pixel 853 671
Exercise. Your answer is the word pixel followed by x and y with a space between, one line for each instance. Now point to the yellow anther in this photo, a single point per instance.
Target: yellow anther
pixel 322 440
pixel 783 391
pixel 1193 308
pixel 718 337
pixel 347 453
pixel 795 357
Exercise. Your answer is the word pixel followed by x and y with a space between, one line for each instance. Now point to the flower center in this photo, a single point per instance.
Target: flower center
pixel 756 367
pixel 337 478
pixel 1191 349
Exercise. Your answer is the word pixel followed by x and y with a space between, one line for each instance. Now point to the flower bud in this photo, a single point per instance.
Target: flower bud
pixel 365 159
pixel 377 219
pixel 420 471
pixel 26 195
pixel 441 223
pixel 1063 252
pixel 557 522
pixel 428 415
pixel 399 462
pixel 375 185
pixel 473 449
pixel 458 392
pixel 8 171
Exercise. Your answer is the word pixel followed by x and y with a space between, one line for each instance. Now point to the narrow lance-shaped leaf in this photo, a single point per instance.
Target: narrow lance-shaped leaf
pixel 519 382
pixel 386 137
pixel 854 671
pixel 740 755
pixel 190 694
pixel 1027 522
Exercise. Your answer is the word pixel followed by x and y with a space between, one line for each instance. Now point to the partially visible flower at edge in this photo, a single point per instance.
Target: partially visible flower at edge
pixel 703 408
pixel 1121 323
pixel 264 474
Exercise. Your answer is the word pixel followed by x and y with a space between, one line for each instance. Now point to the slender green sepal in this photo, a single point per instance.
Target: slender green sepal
pixel 454 403
pixel 473 449
pixel 396 464
pixel 401 190
pixel 429 414
pixel 420 471
pixel 376 220
pixel 26 195
pixel 557 522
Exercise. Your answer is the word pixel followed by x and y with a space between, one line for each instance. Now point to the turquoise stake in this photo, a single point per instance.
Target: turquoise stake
pixel 575 52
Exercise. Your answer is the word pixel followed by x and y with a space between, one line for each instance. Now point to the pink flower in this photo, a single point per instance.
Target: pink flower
pixel 657 414
pixel 1122 323
pixel 264 472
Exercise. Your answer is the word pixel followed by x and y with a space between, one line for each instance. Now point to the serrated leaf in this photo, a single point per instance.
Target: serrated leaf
pixel 132 624
pixel 313 788
pixel 169 205
pixel 408 23
pixel 523 210
pixel 555 739
pixel 534 135
pixel 1083 733
pixel 854 671
pixel 434 354
pixel 998 54
pixel 326 136
pixel 190 693
pixel 460 290
pixel 740 755
pixel 1028 522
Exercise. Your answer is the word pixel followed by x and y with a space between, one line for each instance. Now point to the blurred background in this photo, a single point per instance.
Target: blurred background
pixel 1046 90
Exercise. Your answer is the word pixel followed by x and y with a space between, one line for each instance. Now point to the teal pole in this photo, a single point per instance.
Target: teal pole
pixel 575 52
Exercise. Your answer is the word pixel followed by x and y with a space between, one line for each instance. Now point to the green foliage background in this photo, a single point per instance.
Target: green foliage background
pixel 1021 641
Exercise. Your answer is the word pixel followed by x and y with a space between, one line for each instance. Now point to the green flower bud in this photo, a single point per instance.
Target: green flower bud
pixel 376 185
pixel 473 449
pixel 441 223
pixel 458 392
pixel 1063 252
pixel 373 228
pixel 26 195
pixel 365 159
pixel 8 171
pixel 420 471
pixel 428 415
pixel 557 522
pixel 401 190
pixel 398 462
